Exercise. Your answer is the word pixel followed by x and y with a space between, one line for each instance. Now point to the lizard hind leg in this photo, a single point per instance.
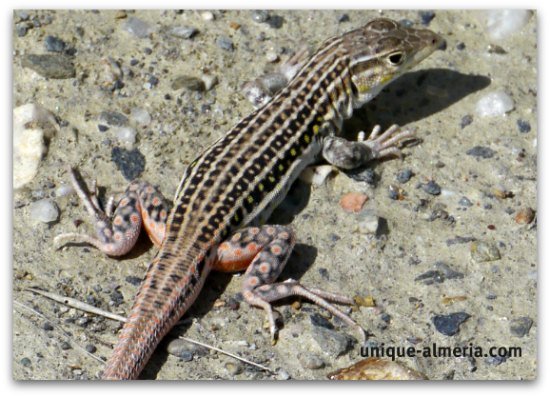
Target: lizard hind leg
pixel 264 252
pixel 118 230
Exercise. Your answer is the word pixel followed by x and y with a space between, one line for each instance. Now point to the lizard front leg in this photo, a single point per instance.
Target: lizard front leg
pixel 117 231
pixel 348 155
pixel 263 252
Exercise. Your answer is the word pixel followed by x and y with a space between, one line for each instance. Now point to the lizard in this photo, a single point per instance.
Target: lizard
pixel 219 212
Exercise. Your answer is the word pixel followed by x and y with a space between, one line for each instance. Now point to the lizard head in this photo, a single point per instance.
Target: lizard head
pixel 383 50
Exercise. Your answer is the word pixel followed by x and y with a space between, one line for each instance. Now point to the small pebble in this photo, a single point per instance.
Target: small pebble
pixel 52 66
pixel 331 342
pixel 126 135
pixel 441 272
pixel 310 360
pixel 353 202
pixel 431 188
pixel 183 32
pixel 63 190
pixel 207 16
pixel 54 44
pixel 112 118
pixel 25 362
pixel 189 83
pixel 523 126
pixel 233 368
pixel 404 176
pixel 21 29
pixel 460 46
pixel 140 116
pixel 260 16
pixel 482 251
pixel 90 348
pixel 209 81
pixel 137 27
pixel 102 128
pixel 368 223
pixel 47 326
pixel 497 360
pixel 520 326
pixel 275 21
pixel 504 23
pixel 466 120
pixel 65 346
pixel 496 103
pixel 496 49
pixel 406 23
pixel 271 57
pixel 282 375
pixel 465 202
pixel 524 216
pixel 481 152
pixel 426 17
pixel 23 15
pixel 136 281
pixel 131 163
pixel 225 43
pixel 44 210
pixel 343 18
pixel 459 240
pixel 449 324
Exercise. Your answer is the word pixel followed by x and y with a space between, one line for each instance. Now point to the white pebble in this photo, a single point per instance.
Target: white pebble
pixel 207 16
pixel 31 125
pixel 369 223
pixel 503 23
pixel 496 103
pixel 44 210
pixel 271 56
pixel 63 190
pixel 140 116
pixel 209 81
pixel 126 135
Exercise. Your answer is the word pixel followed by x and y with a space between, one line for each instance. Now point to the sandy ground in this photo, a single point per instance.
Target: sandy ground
pixel 332 252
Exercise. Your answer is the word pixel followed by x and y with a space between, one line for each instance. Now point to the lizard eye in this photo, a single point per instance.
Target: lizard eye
pixel 396 58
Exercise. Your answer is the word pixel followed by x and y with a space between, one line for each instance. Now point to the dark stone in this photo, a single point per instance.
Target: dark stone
pixel 363 174
pixel 523 126
pixel 521 326
pixel 52 66
pixel 439 274
pixel 133 280
pixel 466 120
pixel 275 21
pixel 319 321
pixel 404 176
pixel 102 128
pixel 25 362
pixel 426 17
pixel 131 163
pixel 188 82
pixel 47 326
pixel 449 324
pixel 111 118
pixel 460 46
pixel 460 240
pixel 465 202
pixel 331 342
pixel 90 348
pixel 117 297
pixel 343 18
pixel 432 188
pixel 481 152
pixel 54 44
pixel 225 43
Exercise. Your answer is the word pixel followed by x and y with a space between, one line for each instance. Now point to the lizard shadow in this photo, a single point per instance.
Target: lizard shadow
pixel 415 96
